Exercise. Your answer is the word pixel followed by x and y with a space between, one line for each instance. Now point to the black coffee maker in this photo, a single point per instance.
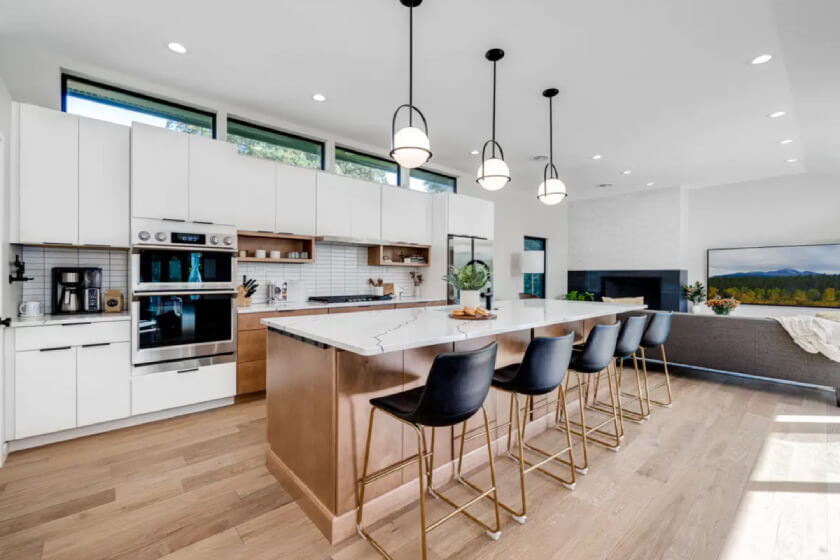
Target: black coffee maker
pixel 76 290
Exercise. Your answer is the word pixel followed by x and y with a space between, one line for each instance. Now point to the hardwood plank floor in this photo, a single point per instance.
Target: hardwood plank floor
pixel 735 469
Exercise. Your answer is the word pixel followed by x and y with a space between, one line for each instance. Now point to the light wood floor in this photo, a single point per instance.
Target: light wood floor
pixel 736 469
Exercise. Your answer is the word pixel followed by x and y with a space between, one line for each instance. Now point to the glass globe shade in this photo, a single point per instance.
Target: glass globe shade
pixel 552 192
pixel 411 147
pixel 493 174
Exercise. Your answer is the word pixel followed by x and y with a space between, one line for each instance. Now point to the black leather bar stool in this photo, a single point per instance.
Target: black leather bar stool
pixel 542 371
pixel 655 335
pixel 455 390
pixel 629 340
pixel 595 357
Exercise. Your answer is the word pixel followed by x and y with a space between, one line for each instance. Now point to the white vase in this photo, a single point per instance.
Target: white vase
pixel 697 308
pixel 470 298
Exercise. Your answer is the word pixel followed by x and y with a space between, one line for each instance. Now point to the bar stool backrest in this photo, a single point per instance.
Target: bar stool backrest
pixel 598 351
pixel 457 385
pixel 657 330
pixel 630 336
pixel 544 365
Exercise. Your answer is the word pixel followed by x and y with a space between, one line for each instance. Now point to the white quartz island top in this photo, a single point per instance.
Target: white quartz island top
pixel 377 332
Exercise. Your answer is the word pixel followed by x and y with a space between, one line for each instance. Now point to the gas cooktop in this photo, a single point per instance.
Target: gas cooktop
pixel 348 299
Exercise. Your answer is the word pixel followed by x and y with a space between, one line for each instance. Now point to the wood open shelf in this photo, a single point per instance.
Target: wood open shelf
pixel 395 252
pixel 250 241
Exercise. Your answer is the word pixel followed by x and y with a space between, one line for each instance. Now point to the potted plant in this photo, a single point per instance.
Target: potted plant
pixel 469 280
pixel 574 295
pixel 695 294
pixel 723 306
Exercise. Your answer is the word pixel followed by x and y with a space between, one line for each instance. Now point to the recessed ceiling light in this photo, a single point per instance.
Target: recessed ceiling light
pixel 597 156
pixel 650 184
pixel 777 114
pixel 792 160
pixel 604 185
pixel 177 48
pixel 320 97
pixel 762 59
pixel 626 172
pixel 539 158
pixel 474 152
pixel 786 142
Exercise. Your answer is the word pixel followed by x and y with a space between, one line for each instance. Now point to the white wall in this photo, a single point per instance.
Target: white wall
pixel 635 231
pixel 7 298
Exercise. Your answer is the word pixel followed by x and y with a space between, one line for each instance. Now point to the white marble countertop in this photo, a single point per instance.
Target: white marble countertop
pixel 295 306
pixel 66 319
pixel 376 332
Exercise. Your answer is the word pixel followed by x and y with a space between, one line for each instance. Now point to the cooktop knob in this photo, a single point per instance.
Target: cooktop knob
pixel 228 240
pixel 144 235
pixel 160 236
pixel 214 240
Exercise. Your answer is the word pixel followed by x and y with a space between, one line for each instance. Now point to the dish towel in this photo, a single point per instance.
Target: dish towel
pixel 814 335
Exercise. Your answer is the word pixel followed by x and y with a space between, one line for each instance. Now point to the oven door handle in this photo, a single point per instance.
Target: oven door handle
pixel 137 295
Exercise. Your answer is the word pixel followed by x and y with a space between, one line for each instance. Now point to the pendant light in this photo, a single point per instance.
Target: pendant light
pixel 552 190
pixel 410 145
pixel 493 173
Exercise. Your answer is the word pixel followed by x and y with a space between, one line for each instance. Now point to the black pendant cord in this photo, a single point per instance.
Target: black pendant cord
pixel 411 65
pixel 494 109
pixel 550 132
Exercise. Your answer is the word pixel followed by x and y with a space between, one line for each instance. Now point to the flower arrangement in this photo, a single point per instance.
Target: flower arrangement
pixel 695 293
pixel 470 277
pixel 723 306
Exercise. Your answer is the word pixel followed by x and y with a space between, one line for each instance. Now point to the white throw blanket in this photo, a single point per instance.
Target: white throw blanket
pixel 813 334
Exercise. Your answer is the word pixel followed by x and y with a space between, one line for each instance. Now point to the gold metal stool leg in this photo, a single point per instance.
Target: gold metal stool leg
pixel 666 384
pixel 593 433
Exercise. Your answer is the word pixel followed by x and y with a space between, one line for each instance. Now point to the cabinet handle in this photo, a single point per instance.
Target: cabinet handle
pixel 96 345
pixel 54 349
pixel 55 243
pixel 200 222
pixel 173 220
pixel 95 245
pixel 75 324
pixel 187 370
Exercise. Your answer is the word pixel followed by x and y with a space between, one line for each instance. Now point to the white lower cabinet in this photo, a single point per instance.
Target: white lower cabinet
pixel 103 382
pixel 170 389
pixel 45 391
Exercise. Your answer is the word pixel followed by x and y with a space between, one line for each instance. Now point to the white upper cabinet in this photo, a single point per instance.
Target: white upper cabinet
pixel 48 176
pixel 366 209
pixel 212 181
pixel 469 216
pixel 253 189
pixel 103 183
pixel 406 216
pixel 159 173
pixel 296 200
pixel 349 207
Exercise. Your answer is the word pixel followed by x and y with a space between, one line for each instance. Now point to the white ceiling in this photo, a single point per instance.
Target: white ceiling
pixel 661 87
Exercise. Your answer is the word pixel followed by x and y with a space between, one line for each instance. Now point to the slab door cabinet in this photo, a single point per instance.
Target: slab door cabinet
pixel 348 207
pixel 296 200
pixel 159 173
pixel 213 185
pixel 48 176
pixel 254 193
pixel 467 215
pixel 406 216
pixel 103 377
pixel 103 183
pixel 45 391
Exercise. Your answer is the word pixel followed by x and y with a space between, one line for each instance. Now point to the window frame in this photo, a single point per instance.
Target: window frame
pixel 433 172
pixel 264 128
pixel 66 76
pixel 360 153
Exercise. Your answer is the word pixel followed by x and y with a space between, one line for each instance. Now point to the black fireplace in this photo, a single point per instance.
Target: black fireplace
pixel 660 288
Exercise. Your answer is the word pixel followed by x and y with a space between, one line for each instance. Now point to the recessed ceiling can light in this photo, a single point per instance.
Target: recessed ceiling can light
pixel 777 114
pixel 626 172
pixel 597 156
pixel 786 142
pixel 604 185
pixel 792 160
pixel 539 157
pixel 650 184
pixel 177 48
pixel 320 97
pixel 762 59
pixel 474 152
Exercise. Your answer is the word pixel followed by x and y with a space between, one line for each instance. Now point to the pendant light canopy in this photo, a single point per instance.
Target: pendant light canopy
pixel 410 145
pixel 552 190
pixel 493 173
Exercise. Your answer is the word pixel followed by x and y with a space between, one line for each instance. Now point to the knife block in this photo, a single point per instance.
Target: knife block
pixel 241 299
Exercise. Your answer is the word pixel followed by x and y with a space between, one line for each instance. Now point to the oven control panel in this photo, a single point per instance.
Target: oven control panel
pixel 170 233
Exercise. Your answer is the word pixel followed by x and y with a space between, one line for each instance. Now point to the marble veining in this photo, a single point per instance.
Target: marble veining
pixel 376 332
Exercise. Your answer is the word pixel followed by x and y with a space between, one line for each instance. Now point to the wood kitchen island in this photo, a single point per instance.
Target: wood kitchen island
pixel 323 370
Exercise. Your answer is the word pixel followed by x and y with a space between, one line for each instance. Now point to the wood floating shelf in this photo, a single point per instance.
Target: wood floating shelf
pixel 251 241
pixel 394 255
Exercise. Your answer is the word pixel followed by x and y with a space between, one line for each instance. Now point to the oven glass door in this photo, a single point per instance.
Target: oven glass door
pixel 167 269
pixel 183 325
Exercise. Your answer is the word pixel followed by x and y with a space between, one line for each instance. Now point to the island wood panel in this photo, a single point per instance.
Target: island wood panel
pixel 359 379
pixel 300 415
pixel 419 304
pixel 355 308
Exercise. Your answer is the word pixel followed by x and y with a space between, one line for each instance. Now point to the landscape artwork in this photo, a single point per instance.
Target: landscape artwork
pixel 797 275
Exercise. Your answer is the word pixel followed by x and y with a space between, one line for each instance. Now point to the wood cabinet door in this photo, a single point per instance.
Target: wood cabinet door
pixel 49 176
pixel 45 391
pixel 296 200
pixel 212 181
pixel 104 382
pixel 104 212
pixel 159 173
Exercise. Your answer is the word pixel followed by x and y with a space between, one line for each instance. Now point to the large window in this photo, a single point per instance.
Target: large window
pixel 429 181
pixel 534 268
pixel 363 166
pixel 262 142
pixel 90 99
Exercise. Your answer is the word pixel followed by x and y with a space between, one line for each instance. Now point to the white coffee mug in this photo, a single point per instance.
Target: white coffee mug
pixel 259 253
pixel 275 254
pixel 30 308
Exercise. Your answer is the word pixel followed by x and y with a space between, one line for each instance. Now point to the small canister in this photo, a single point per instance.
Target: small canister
pixel 488 300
